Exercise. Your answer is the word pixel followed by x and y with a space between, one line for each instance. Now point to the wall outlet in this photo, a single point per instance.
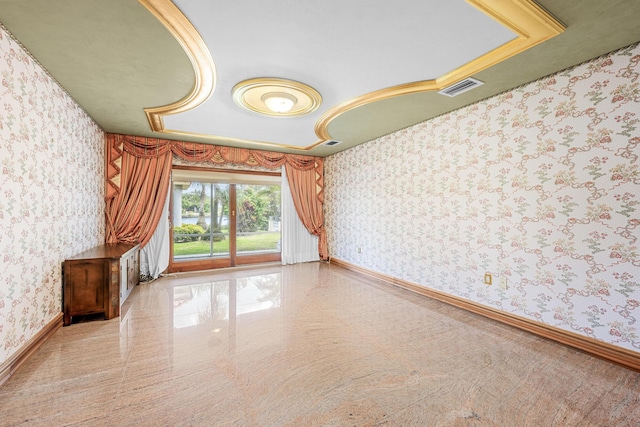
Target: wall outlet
pixel 359 250
pixel 488 279
pixel 503 283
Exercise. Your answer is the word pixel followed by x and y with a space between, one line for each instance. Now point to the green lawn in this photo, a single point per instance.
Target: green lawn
pixel 253 242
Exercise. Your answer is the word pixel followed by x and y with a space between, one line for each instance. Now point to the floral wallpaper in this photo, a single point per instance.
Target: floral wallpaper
pixel 51 193
pixel 539 185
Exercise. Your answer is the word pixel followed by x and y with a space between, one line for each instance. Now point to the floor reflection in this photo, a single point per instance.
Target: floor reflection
pixel 210 302
pixel 200 303
pixel 225 315
pixel 312 345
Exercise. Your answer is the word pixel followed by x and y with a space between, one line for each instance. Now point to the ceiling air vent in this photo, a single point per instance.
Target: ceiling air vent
pixel 331 143
pixel 460 87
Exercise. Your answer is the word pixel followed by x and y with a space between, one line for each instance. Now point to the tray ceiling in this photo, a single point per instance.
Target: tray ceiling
pixel 168 69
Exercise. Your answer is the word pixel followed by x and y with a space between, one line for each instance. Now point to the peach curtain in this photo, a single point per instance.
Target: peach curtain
pixel 307 190
pixel 138 174
pixel 135 205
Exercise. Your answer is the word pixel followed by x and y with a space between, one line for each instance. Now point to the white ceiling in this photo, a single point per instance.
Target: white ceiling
pixel 119 61
pixel 343 49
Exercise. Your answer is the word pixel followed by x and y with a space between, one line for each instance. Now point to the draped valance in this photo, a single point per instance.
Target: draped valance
pixel 138 170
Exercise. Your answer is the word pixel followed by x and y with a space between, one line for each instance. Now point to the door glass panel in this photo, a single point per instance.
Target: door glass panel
pixel 258 219
pixel 200 220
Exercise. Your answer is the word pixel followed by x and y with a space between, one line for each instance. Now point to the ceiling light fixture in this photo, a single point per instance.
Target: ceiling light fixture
pixel 276 97
pixel 279 102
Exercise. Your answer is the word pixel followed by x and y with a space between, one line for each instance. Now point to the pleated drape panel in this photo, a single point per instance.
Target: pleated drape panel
pixel 308 198
pixel 298 245
pixel 139 170
pixel 134 211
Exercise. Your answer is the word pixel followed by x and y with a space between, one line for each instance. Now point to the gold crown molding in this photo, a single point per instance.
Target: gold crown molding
pixel 204 68
pixel 530 22
pixel 195 48
pixel 222 140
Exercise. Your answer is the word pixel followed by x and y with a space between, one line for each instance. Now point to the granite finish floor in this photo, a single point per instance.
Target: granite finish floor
pixel 308 345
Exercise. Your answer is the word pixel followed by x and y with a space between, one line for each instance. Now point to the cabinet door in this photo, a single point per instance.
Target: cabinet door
pixel 87 286
pixel 131 271
pixel 136 267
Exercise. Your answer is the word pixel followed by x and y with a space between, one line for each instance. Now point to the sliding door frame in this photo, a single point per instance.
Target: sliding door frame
pixel 233 259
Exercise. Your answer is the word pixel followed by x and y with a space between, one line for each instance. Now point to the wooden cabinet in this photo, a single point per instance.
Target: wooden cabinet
pixel 99 280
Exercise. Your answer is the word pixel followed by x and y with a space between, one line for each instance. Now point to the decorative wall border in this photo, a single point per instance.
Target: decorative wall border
pixel 11 365
pixel 621 356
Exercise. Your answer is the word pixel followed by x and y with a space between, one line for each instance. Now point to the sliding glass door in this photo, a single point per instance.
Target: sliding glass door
pixel 220 224
pixel 258 219
pixel 200 220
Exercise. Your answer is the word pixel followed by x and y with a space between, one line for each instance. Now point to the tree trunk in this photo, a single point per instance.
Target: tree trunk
pixel 215 222
pixel 202 222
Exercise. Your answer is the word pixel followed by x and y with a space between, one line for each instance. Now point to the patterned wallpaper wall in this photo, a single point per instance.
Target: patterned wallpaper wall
pixel 51 193
pixel 540 185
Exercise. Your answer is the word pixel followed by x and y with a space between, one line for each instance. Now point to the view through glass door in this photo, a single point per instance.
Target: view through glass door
pixel 201 227
pixel 219 224
pixel 258 219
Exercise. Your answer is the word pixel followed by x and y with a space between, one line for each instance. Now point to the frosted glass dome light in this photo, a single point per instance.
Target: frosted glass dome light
pixel 279 102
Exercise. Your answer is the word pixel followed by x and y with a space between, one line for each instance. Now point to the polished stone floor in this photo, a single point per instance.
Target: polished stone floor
pixel 308 345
